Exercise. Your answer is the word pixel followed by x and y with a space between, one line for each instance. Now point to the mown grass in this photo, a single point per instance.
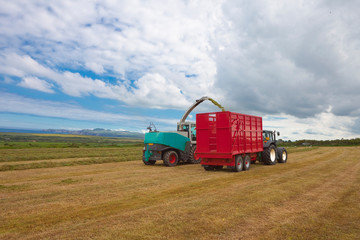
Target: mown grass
pixel 21 145
pixel 57 150
pixel 314 196
pixel 44 158
pixel 11 155
pixel 300 149
pixel 27 140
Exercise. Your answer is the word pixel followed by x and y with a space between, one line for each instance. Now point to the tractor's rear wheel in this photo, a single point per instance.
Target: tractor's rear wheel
pixel 150 162
pixel 282 155
pixel 247 161
pixel 192 156
pixel 269 155
pixel 171 158
pixel 239 163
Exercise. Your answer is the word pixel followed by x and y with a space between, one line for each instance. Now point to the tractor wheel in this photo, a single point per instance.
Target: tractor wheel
pixel 247 161
pixel 218 167
pixel 208 167
pixel 282 155
pixel 239 163
pixel 269 155
pixel 192 156
pixel 150 162
pixel 171 158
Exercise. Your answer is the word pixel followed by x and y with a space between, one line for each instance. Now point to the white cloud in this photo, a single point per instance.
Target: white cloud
pixel 290 57
pixel 153 90
pixel 12 103
pixel 167 39
pixel 8 80
pixel 322 126
pixel 258 57
pixel 95 67
pixel 150 91
pixel 37 84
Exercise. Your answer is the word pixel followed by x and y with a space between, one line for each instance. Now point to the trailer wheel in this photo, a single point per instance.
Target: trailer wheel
pixel 218 167
pixel 193 158
pixel 208 167
pixel 247 161
pixel 171 158
pixel 239 162
pixel 282 155
pixel 150 162
pixel 269 155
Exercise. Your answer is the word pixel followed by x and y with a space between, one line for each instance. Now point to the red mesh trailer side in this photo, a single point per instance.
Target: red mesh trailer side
pixel 225 134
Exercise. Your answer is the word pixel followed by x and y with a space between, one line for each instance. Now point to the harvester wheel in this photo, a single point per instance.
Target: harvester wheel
pixel 208 167
pixel 171 158
pixel 193 158
pixel 247 161
pixel 269 155
pixel 282 155
pixel 239 163
pixel 150 162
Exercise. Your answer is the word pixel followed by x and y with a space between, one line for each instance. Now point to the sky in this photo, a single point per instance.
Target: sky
pixel 123 64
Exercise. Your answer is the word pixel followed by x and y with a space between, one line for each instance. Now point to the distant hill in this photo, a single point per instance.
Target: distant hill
pixel 90 132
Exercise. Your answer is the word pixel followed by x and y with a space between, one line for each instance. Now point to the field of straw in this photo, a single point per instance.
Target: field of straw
pixel 108 193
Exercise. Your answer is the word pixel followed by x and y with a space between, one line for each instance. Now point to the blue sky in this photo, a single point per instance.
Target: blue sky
pixel 123 64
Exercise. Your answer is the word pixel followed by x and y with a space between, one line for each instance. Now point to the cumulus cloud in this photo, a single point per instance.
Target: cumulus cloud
pixel 151 90
pixel 46 108
pixel 322 126
pixel 131 40
pixel 284 58
pixel 37 84
pixel 290 57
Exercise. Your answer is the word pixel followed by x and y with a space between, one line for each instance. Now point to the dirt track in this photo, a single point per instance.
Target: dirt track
pixel 314 196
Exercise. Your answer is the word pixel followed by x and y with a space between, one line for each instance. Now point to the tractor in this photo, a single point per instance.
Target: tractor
pixel 271 152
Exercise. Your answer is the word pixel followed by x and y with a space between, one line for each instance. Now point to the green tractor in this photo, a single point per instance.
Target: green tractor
pixel 173 147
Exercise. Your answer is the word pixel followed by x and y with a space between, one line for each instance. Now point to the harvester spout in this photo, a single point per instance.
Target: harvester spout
pixel 197 102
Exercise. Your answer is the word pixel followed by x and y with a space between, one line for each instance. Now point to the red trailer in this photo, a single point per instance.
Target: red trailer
pixel 228 139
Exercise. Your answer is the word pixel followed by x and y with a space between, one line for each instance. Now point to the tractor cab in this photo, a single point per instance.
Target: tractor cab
pixel 269 137
pixel 189 128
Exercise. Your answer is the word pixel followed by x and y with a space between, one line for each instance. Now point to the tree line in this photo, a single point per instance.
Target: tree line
pixel 336 142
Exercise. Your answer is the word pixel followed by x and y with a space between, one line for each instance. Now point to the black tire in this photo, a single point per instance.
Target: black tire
pixel 269 155
pixel 150 162
pixel 247 161
pixel 282 154
pixel 239 163
pixel 192 158
pixel 218 167
pixel 171 158
pixel 208 167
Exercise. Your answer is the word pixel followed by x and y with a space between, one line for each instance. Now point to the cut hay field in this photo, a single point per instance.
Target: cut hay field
pixel 108 193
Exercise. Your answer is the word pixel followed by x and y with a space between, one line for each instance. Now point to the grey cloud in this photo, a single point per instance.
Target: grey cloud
pixel 291 58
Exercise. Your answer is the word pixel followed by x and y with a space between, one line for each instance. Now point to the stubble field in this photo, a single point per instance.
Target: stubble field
pixel 108 193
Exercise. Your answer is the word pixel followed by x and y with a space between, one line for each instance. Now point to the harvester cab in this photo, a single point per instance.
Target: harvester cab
pixel 189 128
